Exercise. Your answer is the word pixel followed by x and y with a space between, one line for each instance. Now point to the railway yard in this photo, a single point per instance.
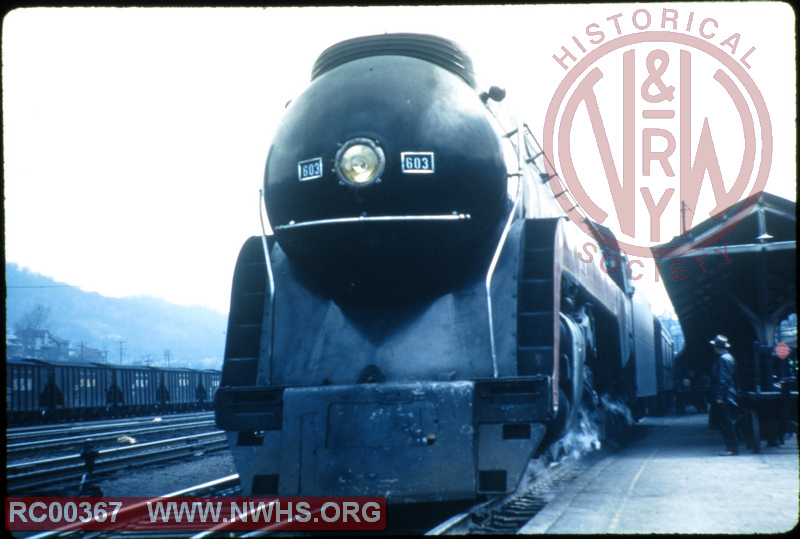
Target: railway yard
pixel 48 460
pixel 661 467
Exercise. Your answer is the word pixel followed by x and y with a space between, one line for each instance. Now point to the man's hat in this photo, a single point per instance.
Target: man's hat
pixel 720 341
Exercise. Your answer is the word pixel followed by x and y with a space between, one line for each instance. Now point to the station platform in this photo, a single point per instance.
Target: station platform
pixel 670 479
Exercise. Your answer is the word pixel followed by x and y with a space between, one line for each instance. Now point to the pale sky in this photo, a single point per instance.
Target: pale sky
pixel 135 139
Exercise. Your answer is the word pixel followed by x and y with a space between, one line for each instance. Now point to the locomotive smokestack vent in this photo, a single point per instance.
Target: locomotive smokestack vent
pixel 434 49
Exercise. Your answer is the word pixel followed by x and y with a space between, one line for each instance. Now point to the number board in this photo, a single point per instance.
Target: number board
pixel 309 169
pixel 417 162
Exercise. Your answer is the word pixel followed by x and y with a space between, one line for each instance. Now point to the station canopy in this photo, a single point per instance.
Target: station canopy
pixel 742 285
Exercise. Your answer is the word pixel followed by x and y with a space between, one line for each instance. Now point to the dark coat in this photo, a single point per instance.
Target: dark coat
pixel 723 373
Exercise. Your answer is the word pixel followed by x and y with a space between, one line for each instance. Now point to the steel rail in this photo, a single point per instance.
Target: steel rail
pixel 71 441
pixel 35 432
pixel 217 487
pixel 58 470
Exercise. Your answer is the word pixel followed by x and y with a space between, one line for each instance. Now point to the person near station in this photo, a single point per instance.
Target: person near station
pixel 723 372
pixel 89 455
pixel 200 394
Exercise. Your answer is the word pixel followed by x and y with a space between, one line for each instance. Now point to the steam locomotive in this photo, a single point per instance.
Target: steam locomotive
pixel 419 324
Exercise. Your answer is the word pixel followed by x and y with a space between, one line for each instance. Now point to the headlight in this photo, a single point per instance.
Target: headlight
pixel 359 162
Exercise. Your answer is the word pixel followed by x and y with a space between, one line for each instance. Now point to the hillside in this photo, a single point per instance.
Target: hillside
pixel 146 326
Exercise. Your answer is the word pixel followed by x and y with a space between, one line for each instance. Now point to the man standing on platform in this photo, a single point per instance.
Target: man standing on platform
pixel 724 390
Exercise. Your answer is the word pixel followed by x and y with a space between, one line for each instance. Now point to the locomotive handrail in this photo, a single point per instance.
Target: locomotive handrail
pixel 500 244
pixel 266 253
pixel 364 218
pixel 537 152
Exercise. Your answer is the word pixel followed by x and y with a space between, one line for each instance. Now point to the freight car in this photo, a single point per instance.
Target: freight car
pixel 420 324
pixel 39 390
pixel 664 399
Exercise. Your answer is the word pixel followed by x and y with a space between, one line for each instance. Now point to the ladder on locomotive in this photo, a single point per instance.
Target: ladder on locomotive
pixel 535 304
pixel 248 297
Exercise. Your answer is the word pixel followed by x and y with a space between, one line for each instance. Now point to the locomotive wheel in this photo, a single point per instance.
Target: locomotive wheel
pixel 563 416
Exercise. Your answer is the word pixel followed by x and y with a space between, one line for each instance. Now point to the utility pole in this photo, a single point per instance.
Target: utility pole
pixel 684 209
pixel 167 354
pixel 121 351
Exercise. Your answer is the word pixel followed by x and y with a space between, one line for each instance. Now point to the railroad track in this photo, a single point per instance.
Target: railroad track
pixel 19 450
pixel 19 435
pixel 225 486
pixel 23 477
pixel 544 480
pixel 507 514
pixel 501 515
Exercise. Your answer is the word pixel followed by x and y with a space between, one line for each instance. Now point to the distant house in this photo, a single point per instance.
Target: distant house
pixel 91 355
pixel 14 347
pixel 41 344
